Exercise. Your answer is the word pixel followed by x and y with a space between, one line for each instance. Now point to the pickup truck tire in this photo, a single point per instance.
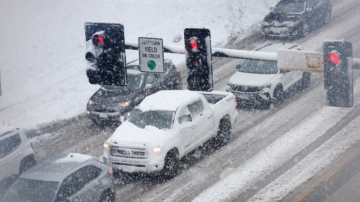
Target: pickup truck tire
pixel 223 134
pixel 305 81
pixel 171 166
pixel 107 196
pixel 278 95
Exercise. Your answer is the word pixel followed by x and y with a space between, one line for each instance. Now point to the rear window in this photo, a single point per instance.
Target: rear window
pixel 8 145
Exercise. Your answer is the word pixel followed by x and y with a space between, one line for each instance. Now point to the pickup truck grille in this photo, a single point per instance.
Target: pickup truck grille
pixel 249 89
pixel 124 152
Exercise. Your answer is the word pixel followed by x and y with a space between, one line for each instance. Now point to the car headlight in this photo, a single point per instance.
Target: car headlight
pixel 156 149
pixel 91 102
pixel 107 146
pixel 297 22
pixel 266 23
pixel 125 104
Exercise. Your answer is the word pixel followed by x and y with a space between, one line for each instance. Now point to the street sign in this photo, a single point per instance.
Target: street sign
pixel 151 55
pixel 299 60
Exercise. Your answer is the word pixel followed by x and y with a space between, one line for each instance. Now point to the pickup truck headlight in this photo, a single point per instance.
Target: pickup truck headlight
pixel 266 23
pixel 157 149
pixel 107 146
pixel 125 104
pixel 91 102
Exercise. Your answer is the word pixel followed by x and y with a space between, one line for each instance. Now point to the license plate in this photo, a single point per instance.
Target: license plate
pixel 103 115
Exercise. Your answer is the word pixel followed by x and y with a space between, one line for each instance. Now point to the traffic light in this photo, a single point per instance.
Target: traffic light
pixel 105 54
pixel 338 73
pixel 198 59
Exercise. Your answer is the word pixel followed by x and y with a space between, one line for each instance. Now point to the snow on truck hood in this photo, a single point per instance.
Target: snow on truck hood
pixel 246 79
pixel 129 133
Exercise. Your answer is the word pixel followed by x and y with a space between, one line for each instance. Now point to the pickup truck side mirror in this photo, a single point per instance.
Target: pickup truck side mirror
pixel 238 67
pixel 122 119
pixel 184 118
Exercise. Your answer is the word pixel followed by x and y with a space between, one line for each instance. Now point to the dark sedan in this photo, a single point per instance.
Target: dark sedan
pixel 296 18
pixel 110 102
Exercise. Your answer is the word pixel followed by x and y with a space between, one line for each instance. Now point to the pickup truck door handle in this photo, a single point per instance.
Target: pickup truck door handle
pixel 193 126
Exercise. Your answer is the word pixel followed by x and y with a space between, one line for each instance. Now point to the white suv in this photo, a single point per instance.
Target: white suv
pixel 259 82
pixel 16 152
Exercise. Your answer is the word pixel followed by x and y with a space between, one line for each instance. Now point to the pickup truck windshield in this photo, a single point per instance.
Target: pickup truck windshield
pixel 290 7
pixel 158 119
pixel 134 82
pixel 259 67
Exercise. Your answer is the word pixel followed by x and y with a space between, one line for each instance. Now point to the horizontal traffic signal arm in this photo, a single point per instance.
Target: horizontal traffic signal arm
pixel 216 52
pixel 228 53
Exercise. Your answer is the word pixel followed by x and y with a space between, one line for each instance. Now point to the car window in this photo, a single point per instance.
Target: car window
pixel 8 145
pixel 184 115
pixel 76 181
pixel 31 190
pixel 196 107
pixel 159 119
pixel 311 4
pixel 150 79
pixel 259 67
pixel 289 7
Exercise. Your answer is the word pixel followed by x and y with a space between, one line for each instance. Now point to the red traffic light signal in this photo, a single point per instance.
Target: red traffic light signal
pixel 192 45
pixel 98 40
pixel 334 58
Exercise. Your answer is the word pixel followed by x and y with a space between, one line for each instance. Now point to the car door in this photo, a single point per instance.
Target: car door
pixel 10 155
pixel 202 124
pixel 311 12
pixel 187 128
pixel 73 188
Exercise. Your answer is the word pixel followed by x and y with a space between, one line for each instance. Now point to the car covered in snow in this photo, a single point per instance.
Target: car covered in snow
pixel 65 177
pixel 16 152
pixel 168 125
pixel 259 82
pixel 290 18
pixel 110 102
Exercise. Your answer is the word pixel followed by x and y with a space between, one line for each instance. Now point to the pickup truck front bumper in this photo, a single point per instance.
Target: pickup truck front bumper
pixel 133 160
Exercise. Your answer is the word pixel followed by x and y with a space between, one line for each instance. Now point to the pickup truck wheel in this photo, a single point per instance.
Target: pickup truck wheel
pixel 171 166
pixel 278 96
pixel 107 196
pixel 223 134
pixel 305 81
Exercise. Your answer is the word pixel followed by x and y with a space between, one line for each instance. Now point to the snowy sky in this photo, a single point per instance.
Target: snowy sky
pixel 43 46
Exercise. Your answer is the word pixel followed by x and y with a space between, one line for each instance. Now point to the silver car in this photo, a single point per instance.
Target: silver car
pixel 66 177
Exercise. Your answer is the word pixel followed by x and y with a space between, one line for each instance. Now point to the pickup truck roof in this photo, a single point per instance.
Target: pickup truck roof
pixel 172 98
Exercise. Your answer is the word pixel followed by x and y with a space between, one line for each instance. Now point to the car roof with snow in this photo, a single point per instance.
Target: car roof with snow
pixel 167 100
pixel 59 167
pixel 277 46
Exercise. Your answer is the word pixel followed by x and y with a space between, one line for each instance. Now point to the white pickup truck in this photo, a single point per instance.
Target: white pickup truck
pixel 168 125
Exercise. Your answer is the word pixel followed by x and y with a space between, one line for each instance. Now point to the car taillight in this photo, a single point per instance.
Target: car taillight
pixel 110 171
pixel 178 70
pixel 236 105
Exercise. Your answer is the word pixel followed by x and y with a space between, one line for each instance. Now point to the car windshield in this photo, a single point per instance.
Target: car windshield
pixel 158 119
pixel 134 82
pixel 30 190
pixel 289 7
pixel 259 67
